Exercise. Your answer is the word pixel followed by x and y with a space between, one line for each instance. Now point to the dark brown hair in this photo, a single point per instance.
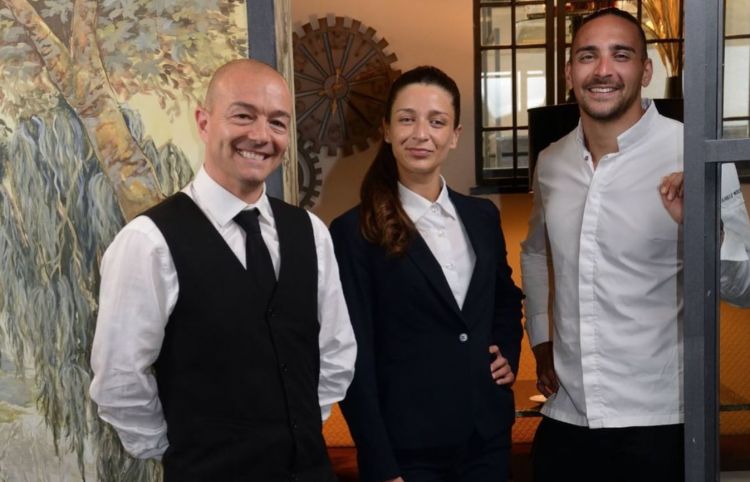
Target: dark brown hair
pixel 617 13
pixel 383 220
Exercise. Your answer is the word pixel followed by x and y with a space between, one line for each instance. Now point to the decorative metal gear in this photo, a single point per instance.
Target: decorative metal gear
pixel 341 79
pixel 309 175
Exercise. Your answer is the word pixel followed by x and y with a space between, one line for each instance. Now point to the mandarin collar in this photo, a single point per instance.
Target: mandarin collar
pixel 640 129
pixel 635 134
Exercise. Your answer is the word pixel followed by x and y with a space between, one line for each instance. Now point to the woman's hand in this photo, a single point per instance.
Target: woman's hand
pixel 500 368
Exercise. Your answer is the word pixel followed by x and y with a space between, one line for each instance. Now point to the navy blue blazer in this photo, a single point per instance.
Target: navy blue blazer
pixel 422 376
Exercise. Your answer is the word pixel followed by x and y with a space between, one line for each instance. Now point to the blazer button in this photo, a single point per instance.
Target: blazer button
pixel 463 337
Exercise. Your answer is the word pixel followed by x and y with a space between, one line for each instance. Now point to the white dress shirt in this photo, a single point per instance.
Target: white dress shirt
pixel 735 249
pixel 445 235
pixel 139 290
pixel 616 267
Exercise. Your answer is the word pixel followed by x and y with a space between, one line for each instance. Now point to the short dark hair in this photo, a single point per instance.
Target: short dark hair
pixel 617 13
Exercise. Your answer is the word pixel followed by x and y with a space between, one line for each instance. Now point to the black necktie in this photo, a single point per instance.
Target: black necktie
pixel 257 260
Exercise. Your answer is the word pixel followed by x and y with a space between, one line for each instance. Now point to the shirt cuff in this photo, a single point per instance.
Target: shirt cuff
pixel 733 248
pixel 325 412
pixel 144 445
pixel 537 328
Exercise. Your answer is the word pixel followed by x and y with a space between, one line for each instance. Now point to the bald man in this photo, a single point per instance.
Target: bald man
pixel 223 336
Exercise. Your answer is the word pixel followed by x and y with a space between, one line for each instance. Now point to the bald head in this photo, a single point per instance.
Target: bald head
pixel 245 68
pixel 245 124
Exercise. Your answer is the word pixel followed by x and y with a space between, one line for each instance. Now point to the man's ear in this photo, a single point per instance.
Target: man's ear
pixel 201 120
pixel 648 72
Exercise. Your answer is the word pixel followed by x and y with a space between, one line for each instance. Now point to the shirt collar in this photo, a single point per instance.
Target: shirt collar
pixel 635 134
pixel 640 129
pixel 221 205
pixel 417 206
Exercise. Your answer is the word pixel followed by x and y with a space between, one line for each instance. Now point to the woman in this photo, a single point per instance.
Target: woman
pixel 434 309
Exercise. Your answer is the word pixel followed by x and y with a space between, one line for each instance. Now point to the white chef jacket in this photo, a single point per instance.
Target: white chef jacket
pixel 735 249
pixel 616 271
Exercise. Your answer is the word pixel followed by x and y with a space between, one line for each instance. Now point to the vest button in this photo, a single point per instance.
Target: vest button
pixel 284 367
pixel 463 337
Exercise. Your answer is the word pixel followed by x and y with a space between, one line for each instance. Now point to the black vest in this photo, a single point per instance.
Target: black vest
pixel 238 380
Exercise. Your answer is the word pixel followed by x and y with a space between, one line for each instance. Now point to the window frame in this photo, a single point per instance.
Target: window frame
pixel 743 167
pixel 517 179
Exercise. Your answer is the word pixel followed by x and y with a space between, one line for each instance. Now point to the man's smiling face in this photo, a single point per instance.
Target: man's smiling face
pixel 607 68
pixel 245 126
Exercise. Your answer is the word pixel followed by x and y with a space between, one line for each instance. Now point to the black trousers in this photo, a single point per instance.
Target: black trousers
pixel 562 451
pixel 478 460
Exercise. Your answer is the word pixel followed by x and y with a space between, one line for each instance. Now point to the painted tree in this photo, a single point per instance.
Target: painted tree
pixel 75 164
pixel 97 53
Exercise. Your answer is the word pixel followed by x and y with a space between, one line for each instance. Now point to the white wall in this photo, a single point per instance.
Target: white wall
pixel 419 32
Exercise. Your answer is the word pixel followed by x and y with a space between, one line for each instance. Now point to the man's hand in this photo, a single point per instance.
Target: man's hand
pixel 671 190
pixel 397 479
pixel 500 368
pixel 545 369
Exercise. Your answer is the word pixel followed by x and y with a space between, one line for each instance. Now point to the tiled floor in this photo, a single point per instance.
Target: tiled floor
pixel 735 476
pixel 345 464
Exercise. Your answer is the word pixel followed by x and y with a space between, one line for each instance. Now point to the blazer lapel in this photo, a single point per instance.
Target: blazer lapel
pixel 421 255
pixel 479 236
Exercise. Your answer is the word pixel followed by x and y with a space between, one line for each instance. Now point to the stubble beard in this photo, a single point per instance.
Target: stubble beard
pixel 611 114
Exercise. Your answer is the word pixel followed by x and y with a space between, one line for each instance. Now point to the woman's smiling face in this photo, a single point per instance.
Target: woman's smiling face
pixel 421 130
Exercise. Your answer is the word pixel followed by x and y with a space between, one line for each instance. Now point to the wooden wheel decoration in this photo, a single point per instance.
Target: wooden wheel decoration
pixel 341 79
pixel 309 175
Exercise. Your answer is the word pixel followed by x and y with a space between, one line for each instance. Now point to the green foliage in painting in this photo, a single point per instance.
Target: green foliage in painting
pixel 161 47
pixel 66 146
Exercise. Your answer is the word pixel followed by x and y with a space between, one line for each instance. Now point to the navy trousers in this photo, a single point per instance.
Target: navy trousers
pixel 478 460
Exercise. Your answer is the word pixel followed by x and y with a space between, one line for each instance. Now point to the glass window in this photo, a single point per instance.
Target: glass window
pixel 737 14
pixel 497 88
pixel 522 145
pixel 530 81
pixel 498 150
pixel 530 25
pixel 512 54
pixel 521 51
pixel 736 129
pixel 496 26
pixel 737 77
pixel 736 101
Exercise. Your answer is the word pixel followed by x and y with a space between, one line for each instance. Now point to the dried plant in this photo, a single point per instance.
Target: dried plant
pixel 663 20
